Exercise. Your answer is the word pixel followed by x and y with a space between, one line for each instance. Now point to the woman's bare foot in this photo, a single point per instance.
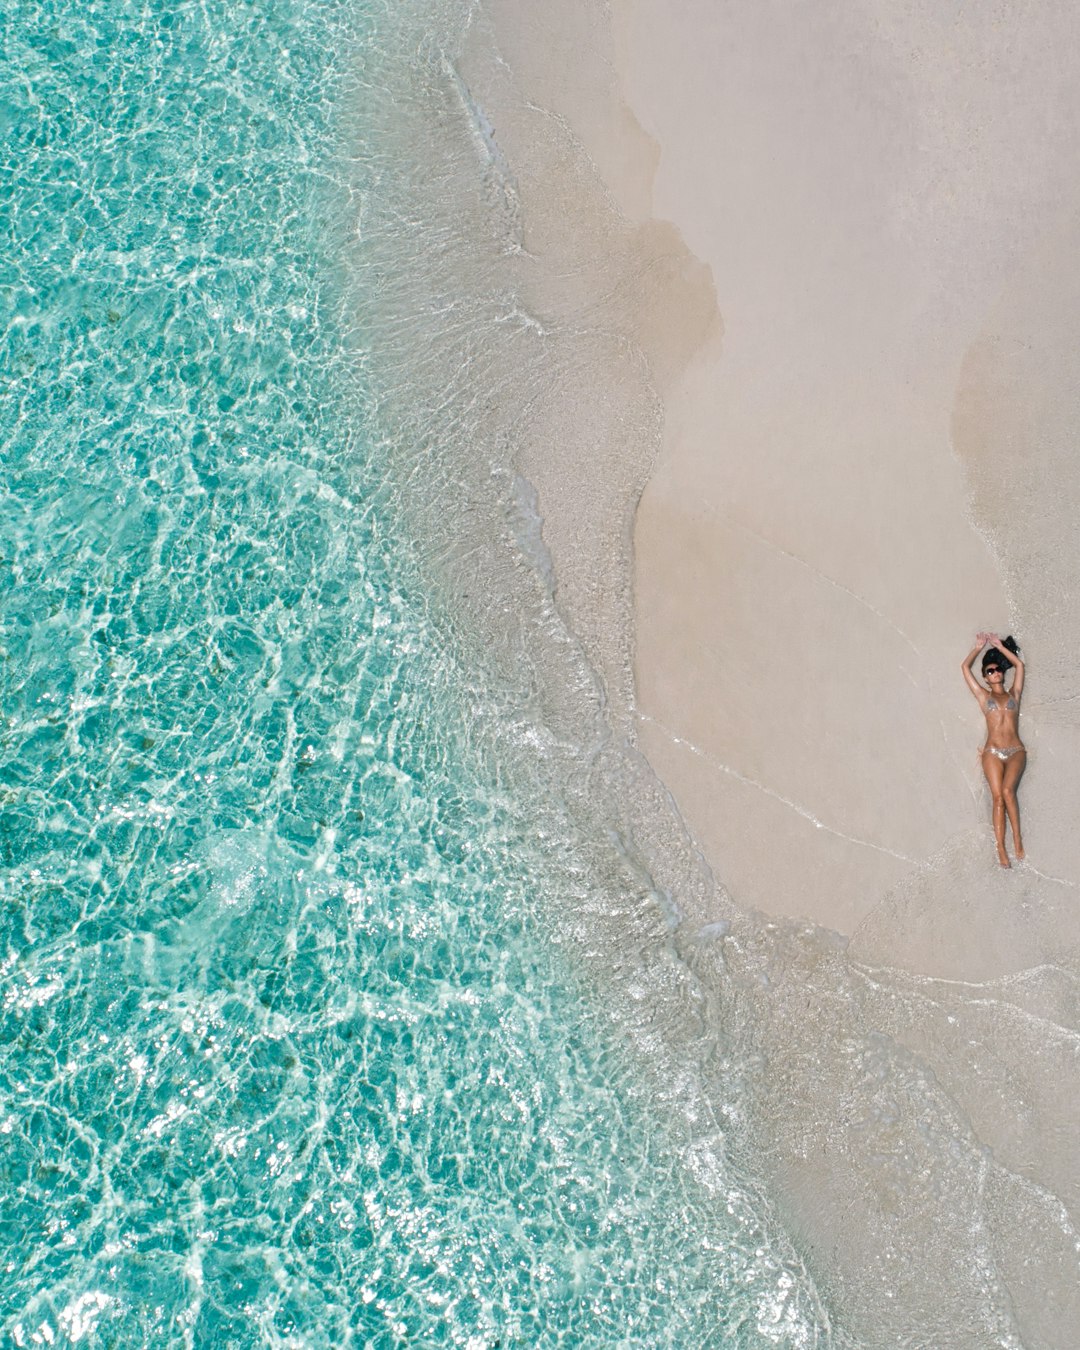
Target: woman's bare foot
pixel 1020 855
pixel 1003 858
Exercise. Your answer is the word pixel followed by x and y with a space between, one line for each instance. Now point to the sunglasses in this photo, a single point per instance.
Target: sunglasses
pixel 990 670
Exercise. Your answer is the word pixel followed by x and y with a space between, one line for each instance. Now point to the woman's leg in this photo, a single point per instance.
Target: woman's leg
pixel 995 776
pixel 1014 769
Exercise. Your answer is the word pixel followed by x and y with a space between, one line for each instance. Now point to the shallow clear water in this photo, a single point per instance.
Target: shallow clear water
pixel 293 1049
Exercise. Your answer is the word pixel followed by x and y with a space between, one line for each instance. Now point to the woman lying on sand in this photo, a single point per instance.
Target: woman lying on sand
pixel 1003 755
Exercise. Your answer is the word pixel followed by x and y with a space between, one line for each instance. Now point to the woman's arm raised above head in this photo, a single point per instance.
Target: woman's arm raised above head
pixel 965 665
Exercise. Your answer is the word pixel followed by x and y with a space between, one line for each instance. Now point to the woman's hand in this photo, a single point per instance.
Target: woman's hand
pixel 983 638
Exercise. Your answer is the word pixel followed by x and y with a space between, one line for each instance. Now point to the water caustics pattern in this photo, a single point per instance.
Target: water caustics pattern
pixel 291 1052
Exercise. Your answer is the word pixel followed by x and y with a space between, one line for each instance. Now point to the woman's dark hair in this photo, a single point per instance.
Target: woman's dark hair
pixel 994 658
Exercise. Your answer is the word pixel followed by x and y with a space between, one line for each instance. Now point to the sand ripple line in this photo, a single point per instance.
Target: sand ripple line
pixel 1024 865
pixel 1043 1027
pixel 771 792
pixel 836 585
pixel 882 618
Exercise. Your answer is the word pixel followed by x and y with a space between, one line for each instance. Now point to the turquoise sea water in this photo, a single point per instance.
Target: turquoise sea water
pixel 293 1051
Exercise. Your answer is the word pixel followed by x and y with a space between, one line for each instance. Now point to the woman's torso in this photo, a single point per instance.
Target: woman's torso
pixel 1002 712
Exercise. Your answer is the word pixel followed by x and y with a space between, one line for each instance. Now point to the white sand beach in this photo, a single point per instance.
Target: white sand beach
pixel 866 186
